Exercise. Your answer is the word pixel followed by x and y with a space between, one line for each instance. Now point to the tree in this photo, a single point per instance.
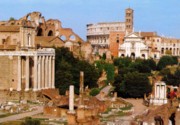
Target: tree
pixel 172 79
pixel 136 85
pixel 68 71
pixel 122 62
pixel 165 61
pixel 108 68
pixel 150 63
pixel 63 76
pixel 11 18
pixel 30 121
pixel 140 67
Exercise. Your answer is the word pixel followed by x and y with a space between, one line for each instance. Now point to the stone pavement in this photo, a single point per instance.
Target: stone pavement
pixel 22 115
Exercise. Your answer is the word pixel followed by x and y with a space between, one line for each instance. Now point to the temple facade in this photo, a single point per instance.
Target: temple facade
pixel 23 66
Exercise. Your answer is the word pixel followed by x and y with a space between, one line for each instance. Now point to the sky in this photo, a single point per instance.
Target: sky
pixel 162 16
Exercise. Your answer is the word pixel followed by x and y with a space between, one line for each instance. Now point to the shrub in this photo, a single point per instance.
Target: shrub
pixel 94 91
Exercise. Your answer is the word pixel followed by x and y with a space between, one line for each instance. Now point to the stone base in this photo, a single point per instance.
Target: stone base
pixel 158 101
pixel 71 118
pixel 6 95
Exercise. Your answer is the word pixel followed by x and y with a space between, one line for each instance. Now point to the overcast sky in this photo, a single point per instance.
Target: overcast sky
pixel 162 16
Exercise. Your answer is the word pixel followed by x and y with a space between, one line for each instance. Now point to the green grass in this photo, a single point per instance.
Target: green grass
pixel 7 114
pixel 127 107
pixel 12 123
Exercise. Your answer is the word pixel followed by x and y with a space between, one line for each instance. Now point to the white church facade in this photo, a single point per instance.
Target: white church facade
pixel 134 47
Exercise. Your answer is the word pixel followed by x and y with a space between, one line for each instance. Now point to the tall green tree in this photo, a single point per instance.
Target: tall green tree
pixel 136 84
pixel 165 61
pixel 172 79
pixel 68 71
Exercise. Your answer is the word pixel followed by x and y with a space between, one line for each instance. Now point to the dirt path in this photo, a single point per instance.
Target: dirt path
pixel 22 115
pixel 139 108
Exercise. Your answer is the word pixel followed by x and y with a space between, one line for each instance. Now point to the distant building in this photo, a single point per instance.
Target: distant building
pixel 134 47
pixel 111 38
pixel 107 36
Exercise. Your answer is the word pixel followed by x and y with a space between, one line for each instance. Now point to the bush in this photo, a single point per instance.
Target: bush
pixel 94 91
pixel 30 121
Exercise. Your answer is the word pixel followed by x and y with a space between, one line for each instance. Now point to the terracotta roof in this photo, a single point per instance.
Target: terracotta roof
pixel 173 40
pixel 40 39
pixel 9 28
pixel 155 50
pixel 147 34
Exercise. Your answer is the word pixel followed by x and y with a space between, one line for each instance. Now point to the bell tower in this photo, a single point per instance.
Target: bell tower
pixel 129 20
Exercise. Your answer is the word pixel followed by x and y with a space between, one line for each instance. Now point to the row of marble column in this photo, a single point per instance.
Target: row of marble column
pixel 160 91
pixel 43 73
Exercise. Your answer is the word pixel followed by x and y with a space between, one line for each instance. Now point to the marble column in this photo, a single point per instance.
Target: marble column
pixel 158 91
pixel 50 74
pixel 42 73
pixel 71 99
pixel 19 74
pixel 53 72
pixel 46 72
pixel 39 73
pixel 35 73
pixel 81 82
pixel 27 73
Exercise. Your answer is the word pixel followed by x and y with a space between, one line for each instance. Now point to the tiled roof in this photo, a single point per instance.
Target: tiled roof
pixel 147 34
pixel 9 28
pixel 40 39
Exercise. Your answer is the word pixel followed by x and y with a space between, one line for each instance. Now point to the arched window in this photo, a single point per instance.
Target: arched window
pixel 143 56
pixel 72 37
pixel 63 37
pixel 40 32
pixel 29 39
pixel 133 55
pixel 50 33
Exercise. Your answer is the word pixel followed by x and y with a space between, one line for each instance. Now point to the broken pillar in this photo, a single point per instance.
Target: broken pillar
pixel 81 90
pixel 71 116
pixel 71 99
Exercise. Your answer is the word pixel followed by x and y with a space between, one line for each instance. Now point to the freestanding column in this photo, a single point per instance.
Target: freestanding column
pixel 81 82
pixel 50 74
pixel 35 73
pixel 27 73
pixel 81 101
pixel 53 72
pixel 42 72
pixel 71 99
pixel 46 72
pixel 39 73
pixel 19 74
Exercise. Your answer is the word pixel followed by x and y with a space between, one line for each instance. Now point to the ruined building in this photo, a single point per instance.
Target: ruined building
pixel 27 59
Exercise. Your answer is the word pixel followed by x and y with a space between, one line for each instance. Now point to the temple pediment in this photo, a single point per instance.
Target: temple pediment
pixel 133 35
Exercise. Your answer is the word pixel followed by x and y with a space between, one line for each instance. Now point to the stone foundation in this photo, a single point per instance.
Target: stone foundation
pixel 6 95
